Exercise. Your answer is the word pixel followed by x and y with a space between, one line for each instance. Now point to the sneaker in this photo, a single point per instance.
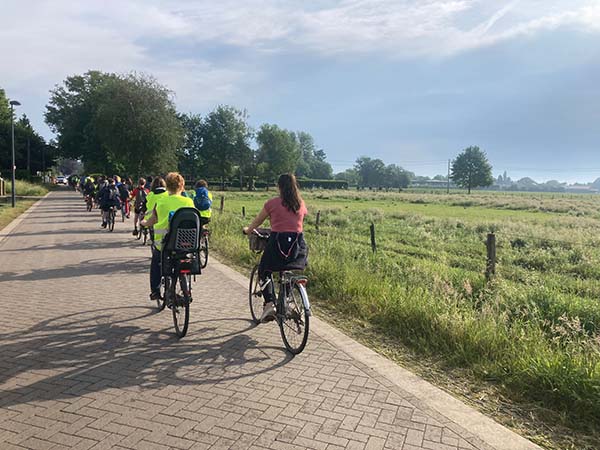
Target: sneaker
pixel 155 296
pixel 268 312
pixel 134 232
pixel 103 225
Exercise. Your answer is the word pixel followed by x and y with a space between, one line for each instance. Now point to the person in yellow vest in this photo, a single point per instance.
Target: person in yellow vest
pixel 203 201
pixel 165 205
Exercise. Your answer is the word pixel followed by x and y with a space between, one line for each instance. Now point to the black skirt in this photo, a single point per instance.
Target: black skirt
pixel 284 251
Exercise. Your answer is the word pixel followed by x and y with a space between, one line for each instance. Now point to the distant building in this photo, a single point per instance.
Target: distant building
pixel 581 189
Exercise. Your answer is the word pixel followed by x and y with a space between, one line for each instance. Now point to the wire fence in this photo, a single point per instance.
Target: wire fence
pixel 491 241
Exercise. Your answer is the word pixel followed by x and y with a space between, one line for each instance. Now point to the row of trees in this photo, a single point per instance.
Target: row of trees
pixel 32 153
pixel 129 124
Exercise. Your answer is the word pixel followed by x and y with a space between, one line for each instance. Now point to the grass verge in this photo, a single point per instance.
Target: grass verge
pixel 24 188
pixel 8 213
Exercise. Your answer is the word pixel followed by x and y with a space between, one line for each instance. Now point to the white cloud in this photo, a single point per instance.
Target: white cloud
pixel 44 41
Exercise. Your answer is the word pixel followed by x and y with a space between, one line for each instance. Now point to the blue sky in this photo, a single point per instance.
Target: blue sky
pixel 409 81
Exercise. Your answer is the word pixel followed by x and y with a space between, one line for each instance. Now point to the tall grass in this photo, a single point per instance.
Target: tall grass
pixel 26 188
pixel 534 329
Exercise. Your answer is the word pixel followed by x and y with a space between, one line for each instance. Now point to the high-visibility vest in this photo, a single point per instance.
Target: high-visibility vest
pixel 165 205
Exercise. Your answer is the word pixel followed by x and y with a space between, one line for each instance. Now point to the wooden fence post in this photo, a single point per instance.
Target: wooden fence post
pixel 490 268
pixel 373 243
pixel 244 212
pixel 222 203
pixel 318 220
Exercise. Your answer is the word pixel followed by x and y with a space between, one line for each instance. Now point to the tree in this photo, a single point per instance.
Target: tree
pixel 70 113
pixel 371 172
pixel 278 151
pixel 226 136
pixel 116 123
pixel 349 175
pixel 312 163
pixel 190 153
pixel 471 169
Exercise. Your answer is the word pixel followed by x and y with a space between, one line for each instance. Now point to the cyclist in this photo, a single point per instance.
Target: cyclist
pixel 139 195
pixel 158 188
pixel 89 189
pixel 203 201
pixel 160 220
pixel 286 248
pixel 108 197
pixel 124 196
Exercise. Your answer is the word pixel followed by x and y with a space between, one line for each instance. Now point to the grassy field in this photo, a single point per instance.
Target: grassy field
pixel 532 332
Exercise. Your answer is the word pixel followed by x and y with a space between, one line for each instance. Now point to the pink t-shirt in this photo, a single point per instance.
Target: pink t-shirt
pixel 282 219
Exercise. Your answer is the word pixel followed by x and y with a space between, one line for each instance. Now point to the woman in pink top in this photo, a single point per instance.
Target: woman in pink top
pixel 286 248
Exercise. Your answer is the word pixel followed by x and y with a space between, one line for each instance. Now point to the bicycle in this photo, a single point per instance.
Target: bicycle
pixel 292 305
pixel 123 211
pixel 142 232
pixel 204 247
pixel 89 202
pixel 179 261
pixel 110 219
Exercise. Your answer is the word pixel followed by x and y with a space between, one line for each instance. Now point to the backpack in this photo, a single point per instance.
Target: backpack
pixel 123 192
pixel 112 194
pixel 140 198
pixel 202 201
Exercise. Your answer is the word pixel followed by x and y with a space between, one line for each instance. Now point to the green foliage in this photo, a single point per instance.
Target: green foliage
pixel 137 125
pixel 30 147
pixel 278 151
pixel 312 163
pixel 115 123
pixel 26 188
pixel 471 169
pixel 226 137
pixel 374 173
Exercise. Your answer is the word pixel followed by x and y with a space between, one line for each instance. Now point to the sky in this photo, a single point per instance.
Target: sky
pixel 412 82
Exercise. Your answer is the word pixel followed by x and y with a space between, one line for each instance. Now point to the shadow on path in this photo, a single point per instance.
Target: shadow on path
pixel 94 350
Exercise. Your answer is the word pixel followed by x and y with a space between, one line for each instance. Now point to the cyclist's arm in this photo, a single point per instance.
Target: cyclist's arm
pixel 257 222
pixel 152 220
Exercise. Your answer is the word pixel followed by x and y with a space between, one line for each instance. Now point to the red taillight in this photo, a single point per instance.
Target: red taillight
pixel 303 282
pixel 185 271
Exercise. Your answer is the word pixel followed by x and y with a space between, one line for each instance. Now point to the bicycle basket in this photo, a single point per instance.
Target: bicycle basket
pixel 259 243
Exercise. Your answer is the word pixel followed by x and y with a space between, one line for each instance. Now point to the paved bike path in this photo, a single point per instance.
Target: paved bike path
pixel 86 362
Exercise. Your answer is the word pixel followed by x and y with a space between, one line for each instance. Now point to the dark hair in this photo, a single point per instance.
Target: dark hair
pixel 201 183
pixel 290 195
pixel 141 181
pixel 158 182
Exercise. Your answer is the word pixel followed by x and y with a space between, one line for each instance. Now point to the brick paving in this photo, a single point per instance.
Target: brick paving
pixel 86 362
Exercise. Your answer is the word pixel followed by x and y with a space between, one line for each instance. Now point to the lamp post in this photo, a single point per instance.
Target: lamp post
pixel 13 103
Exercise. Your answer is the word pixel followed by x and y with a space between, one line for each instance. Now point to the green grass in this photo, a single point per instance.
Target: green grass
pixel 8 214
pixel 534 331
pixel 24 188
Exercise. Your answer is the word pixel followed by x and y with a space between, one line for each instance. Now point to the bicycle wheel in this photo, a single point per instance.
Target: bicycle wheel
pixel 89 205
pixel 293 321
pixel 138 236
pixel 122 213
pixel 145 233
pixel 255 296
pixel 181 303
pixel 111 220
pixel 203 251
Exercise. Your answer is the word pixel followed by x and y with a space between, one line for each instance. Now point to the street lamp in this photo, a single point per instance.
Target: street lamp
pixel 13 103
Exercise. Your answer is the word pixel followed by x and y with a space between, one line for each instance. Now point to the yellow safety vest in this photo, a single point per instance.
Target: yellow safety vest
pixel 151 200
pixel 164 206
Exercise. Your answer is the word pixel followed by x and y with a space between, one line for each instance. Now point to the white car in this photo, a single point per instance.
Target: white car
pixel 62 180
